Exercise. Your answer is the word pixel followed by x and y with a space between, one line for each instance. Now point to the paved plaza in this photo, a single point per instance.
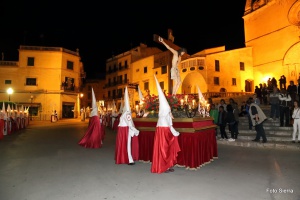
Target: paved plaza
pixel 44 162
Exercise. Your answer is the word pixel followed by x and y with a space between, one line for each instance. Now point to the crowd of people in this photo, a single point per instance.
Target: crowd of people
pixel 283 100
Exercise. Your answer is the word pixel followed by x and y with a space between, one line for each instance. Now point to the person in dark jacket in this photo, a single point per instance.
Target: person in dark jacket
pixel 230 119
pixel 222 122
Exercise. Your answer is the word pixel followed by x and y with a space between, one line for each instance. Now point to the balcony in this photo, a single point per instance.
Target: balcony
pixel 120 82
pixel 117 69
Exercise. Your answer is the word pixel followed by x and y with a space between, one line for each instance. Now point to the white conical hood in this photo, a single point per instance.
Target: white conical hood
pixel 164 107
pixel 121 106
pixel 94 105
pixel 3 108
pixel 140 94
pixel 126 101
pixel 200 95
pixel 8 110
pixel 114 107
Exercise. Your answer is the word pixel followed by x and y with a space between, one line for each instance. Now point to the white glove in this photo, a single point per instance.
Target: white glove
pixel 174 132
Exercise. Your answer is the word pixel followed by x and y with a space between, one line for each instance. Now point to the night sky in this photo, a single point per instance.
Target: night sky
pixel 100 29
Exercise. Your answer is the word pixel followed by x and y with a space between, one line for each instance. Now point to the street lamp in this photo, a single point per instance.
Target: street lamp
pixel 9 92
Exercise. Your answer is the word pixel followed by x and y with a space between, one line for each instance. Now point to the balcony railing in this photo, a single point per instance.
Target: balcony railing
pixel 125 67
pixel 120 82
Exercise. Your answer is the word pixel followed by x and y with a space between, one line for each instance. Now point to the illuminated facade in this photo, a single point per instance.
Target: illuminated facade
pixel 46 79
pixel 272 30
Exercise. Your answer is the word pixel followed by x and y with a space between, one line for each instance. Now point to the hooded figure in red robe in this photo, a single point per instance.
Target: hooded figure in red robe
pixel 94 136
pixel 127 144
pixel 166 146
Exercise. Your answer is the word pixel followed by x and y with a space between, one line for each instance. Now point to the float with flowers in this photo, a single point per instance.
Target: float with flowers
pixel 197 137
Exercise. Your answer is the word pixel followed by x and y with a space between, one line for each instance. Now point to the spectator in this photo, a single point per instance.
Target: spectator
pixel 232 123
pixel 258 93
pixel 274 82
pixel 222 103
pixel 282 82
pixel 256 100
pixel 214 113
pixel 222 122
pixel 285 101
pixel 292 90
pixel 243 110
pixel 264 93
pixel 296 123
pixel 249 101
pixel 274 101
pixel 258 117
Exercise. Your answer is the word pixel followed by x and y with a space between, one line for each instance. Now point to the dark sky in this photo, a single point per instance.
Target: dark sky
pixel 102 28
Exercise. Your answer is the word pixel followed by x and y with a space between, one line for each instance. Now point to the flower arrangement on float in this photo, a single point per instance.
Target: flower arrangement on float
pixel 182 105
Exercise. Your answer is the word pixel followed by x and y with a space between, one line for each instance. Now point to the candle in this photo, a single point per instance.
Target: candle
pixel 137 108
pixel 181 101
pixel 193 102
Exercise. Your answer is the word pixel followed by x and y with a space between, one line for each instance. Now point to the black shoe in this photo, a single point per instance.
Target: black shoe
pixel 293 141
pixel 298 141
pixel 255 140
pixel 131 163
pixel 171 170
pixel 264 141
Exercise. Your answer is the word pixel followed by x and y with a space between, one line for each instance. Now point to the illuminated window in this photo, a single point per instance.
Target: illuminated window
pixel 163 69
pixel 7 82
pixel 30 81
pixel 70 65
pixel 30 61
pixel 216 81
pixel 242 66
pixel 233 81
pixel 146 85
pixel 120 93
pixel 217 65
pixel 162 85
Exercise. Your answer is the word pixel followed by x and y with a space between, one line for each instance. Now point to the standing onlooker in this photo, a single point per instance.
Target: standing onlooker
pixel 222 122
pixel 258 93
pixel 214 113
pixel 264 93
pixel 282 82
pixel 249 101
pixel 274 101
pixel 274 82
pixel 258 117
pixel 298 89
pixel 256 100
pixel 236 117
pixel 292 90
pixel 285 101
pixel 230 119
pixel 222 103
pixel 296 124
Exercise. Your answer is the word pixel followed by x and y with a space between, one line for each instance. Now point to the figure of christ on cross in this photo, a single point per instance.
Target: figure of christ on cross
pixel 175 76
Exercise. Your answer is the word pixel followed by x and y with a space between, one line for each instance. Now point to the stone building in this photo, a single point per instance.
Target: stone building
pixel 44 79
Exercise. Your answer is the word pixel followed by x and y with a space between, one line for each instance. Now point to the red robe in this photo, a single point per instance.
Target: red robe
pixel 1 129
pixel 94 135
pixel 165 150
pixel 121 153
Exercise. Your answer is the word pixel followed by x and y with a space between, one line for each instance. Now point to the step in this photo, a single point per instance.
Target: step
pixel 269 145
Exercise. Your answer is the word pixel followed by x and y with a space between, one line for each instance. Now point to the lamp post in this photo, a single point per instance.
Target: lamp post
pixel 82 113
pixel 30 111
pixel 9 92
